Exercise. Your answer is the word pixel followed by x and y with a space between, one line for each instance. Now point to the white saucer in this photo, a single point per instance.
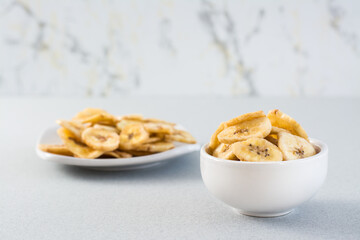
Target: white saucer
pixel 49 136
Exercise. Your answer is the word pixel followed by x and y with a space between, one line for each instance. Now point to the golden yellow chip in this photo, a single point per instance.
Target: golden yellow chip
pixel 101 118
pixel 55 149
pixel 100 139
pixel 133 134
pixel 87 113
pixel 74 126
pixel 281 120
pixel 256 127
pixel 79 149
pixel 181 136
pixel 106 127
pixel 214 141
pixel 138 153
pixel 155 120
pixel 224 151
pixel 116 154
pixel 136 117
pixel 159 128
pixel 155 147
pixel 122 123
pixel 244 117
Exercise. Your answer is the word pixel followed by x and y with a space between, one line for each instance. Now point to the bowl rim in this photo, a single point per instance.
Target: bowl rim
pixel 318 143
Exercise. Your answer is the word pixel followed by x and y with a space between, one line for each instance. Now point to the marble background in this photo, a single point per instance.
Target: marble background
pixel 250 48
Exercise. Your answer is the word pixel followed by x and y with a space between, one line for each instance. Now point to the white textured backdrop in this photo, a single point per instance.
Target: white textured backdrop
pixel 104 48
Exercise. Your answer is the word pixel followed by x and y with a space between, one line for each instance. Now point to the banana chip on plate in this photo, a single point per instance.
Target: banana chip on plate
pixel 78 148
pixel 60 149
pixel 95 133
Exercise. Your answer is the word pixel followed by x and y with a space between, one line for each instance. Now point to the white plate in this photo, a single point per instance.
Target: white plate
pixel 49 136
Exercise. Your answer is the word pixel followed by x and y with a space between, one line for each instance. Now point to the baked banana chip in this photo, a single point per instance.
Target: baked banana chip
pixel 214 141
pixel 281 120
pixel 134 134
pixel 79 149
pixel 257 127
pixel 294 147
pixel 153 139
pixel 155 120
pixel 138 153
pixel 256 150
pixel 106 127
pixel 60 149
pixel 74 126
pixel 181 136
pixel 273 136
pixel 159 128
pixel 87 113
pixel 244 117
pixel 116 154
pixel 224 151
pixel 122 123
pixel 100 139
pixel 155 147
pixel 136 117
pixel 101 118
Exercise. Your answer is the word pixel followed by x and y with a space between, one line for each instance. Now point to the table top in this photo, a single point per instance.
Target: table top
pixel 45 200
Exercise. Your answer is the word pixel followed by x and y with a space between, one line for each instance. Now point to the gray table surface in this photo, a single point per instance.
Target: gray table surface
pixel 45 200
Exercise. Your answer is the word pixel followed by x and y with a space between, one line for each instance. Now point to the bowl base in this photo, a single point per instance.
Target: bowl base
pixel 261 214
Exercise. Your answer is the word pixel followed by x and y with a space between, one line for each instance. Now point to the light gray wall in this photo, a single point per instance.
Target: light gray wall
pixel 103 48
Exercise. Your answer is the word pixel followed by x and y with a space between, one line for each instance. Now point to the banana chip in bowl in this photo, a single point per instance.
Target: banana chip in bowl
pixel 256 137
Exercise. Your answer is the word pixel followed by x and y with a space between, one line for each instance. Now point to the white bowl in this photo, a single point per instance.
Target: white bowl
pixel 264 189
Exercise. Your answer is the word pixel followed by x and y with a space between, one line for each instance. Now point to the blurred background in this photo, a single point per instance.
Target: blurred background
pixel 175 47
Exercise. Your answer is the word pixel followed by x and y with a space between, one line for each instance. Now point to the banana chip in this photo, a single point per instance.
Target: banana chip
pixel 106 127
pixel 256 150
pixel 122 123
pixel 155 147
pixel 101 118
pixel 134 134
pixel 79 149
pixel 294 147
pixel 138 117
pixel 244 117
pixel 181 136
pixel 100 139
pixel 256 127
pixel 214 141
pixel 155 120
pixel 87 113
pixel 138 153
pixel 55 149
pixel 73 126
pixel 159 128
pixel 224 151
pixel 273 138
pixel 281 120
pixel 117 154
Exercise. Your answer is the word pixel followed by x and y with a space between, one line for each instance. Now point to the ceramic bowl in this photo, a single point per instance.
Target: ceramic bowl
pixel 264 189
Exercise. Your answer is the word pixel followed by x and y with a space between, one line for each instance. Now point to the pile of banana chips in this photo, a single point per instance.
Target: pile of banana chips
pixel 95 133
pixel 256 137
